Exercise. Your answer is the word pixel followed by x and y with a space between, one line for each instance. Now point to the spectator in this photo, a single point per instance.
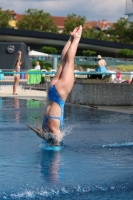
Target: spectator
pixel 117 79
pixel 37 67
pixel 101 65
pixel 17 69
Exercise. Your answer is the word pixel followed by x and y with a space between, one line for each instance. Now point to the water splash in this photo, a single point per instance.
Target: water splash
pixel 69 129
pixel 66 193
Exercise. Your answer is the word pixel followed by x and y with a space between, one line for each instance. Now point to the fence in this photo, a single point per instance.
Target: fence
pixel 82 60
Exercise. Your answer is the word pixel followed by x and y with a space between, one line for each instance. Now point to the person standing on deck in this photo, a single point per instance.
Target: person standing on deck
pixel 17 69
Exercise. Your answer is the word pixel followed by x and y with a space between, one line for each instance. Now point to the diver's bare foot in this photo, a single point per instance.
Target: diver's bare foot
pixel 78 33
pixel 74 31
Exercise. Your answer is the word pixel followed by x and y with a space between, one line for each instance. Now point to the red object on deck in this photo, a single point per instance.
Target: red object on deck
pixel 118 74
pixel 128 81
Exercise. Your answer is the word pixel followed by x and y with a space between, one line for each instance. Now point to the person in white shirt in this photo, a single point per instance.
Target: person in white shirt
pixel 117 79
pixel 37 67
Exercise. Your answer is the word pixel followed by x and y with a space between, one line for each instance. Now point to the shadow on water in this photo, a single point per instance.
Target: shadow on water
pixel 95 161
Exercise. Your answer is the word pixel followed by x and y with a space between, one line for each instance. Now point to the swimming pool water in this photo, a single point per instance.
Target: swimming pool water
pixel 95 162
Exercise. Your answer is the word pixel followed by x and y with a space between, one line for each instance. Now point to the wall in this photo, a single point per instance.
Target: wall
pixel 101 94
pixel 9 58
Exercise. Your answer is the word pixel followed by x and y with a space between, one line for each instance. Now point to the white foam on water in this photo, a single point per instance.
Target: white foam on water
pixel 27 194
pixel 67 192
pixel 124 144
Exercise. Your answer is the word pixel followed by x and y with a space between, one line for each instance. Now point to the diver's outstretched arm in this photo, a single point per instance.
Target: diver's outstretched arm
pixel 47 136
pixel 37 130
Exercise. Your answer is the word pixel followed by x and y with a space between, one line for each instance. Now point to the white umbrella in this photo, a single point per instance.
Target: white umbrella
pixel 37 53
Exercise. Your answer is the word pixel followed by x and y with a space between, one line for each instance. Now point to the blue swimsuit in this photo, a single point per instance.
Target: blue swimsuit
pixel 101 69
pixel 54 97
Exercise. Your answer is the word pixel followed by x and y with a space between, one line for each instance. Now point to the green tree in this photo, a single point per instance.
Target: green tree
pixel 5 16
pixel 119 31
pixel 88 32
pixel 37 20
pixel 49 50
pixel 130 32
pixel 93 34
pixel 126 53
pixel 73 21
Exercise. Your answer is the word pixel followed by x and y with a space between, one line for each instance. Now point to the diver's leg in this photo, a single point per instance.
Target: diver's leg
pixel 65 83
pixel 63 58
pixel 59 71
pixel 66 47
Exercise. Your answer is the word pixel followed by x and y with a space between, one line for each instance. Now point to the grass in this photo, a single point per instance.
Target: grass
pixel 125 68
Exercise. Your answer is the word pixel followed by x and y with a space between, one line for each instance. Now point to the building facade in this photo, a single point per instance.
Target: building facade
pixel 129 10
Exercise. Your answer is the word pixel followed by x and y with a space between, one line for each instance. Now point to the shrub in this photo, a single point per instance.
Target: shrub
pixel 49 50
pixel 88 53
pixel 125 53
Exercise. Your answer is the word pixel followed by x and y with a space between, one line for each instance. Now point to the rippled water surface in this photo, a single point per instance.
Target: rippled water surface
pixel 95 162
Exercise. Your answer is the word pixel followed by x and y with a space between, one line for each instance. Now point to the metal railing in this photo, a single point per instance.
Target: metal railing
pixel 7 77
pixel 11 73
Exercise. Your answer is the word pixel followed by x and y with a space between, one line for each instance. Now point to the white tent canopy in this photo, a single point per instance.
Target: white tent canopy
pixel 37 53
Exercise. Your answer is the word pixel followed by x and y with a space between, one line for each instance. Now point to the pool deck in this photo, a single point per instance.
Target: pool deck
pixel 6 91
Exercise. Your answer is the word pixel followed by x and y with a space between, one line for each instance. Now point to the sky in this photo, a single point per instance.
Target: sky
pixel 93 10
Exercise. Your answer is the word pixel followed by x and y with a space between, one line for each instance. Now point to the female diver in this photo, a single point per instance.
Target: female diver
pixel 59 89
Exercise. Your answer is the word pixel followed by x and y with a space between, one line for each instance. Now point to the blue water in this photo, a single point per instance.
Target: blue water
pixel 95 162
